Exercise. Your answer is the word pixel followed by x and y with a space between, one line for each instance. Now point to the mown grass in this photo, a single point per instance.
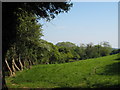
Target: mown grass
pixel 92 73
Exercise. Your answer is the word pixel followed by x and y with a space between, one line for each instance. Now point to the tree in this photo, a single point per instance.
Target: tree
pixel 98 48
pixel 9 12
pixel 81 51
pixel 65 44
pixel 89 50
pixel 106 48
pixel 68 50
pixel 54 56
pixel 46 10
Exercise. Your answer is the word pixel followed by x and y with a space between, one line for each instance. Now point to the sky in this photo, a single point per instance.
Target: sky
pixel 85 22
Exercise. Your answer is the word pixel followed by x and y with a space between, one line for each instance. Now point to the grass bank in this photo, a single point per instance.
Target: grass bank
pixel 92 73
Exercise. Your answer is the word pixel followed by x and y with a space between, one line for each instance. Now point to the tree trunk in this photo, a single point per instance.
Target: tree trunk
pixel 8 66
pixel 30 63
pixel 26 63
pixel 21 65
pixel 15 64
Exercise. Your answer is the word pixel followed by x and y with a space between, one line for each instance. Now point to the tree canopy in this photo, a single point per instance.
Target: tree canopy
pixel 46 10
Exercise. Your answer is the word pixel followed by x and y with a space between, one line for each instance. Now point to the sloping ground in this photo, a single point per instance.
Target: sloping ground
pixel 91 73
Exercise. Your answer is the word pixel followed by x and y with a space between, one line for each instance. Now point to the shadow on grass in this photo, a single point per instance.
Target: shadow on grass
pixel 117 59
pixel 97 86
pixel 112 69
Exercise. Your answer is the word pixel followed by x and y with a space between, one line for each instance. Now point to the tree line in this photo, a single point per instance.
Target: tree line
pixel 23 54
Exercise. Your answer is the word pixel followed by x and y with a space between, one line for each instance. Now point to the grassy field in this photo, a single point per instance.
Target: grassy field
pixel 92 73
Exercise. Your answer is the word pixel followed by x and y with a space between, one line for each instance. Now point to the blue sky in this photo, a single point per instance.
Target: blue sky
pixel 86 22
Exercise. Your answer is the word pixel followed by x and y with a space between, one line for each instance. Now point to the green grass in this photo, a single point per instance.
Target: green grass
pixel 92 73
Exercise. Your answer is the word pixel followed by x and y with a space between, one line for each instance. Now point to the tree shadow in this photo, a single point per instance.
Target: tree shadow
pixel 97 86
pixel 117 59
pixel 112 69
